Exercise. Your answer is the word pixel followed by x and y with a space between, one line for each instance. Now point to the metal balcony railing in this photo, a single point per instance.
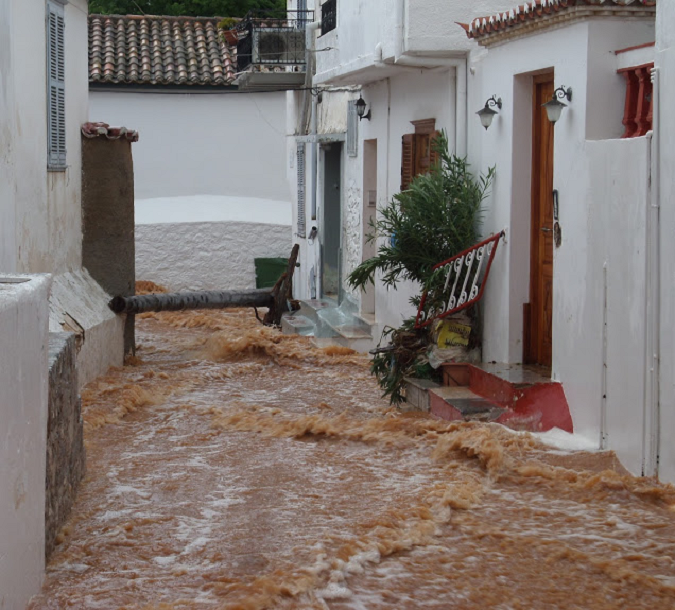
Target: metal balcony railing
pixel 328 16
pixel 272 40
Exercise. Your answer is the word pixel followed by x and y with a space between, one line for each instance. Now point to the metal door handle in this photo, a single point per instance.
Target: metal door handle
pixel 546 229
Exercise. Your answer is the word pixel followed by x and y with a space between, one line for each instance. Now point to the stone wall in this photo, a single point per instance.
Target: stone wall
pixel 108 251
pixel 65 441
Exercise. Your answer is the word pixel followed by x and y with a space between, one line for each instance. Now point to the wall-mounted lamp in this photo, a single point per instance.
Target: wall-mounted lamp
pixel 554 106
pixel 361 109
pixel 486 114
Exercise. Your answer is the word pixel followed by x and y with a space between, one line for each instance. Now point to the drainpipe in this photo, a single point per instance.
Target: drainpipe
pixel 310 39
pixel 652 419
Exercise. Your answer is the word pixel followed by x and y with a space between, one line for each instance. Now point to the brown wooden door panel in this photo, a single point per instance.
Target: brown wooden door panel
pixel 540 332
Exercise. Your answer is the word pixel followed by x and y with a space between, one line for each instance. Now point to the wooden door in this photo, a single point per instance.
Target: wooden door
pixel 540 346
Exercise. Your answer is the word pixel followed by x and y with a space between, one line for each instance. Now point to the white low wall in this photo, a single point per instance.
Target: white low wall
pixel 208 243
pixel 78 304
pixel 24 315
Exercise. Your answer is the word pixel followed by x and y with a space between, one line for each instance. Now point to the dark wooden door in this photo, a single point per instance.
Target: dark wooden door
pixel 541 261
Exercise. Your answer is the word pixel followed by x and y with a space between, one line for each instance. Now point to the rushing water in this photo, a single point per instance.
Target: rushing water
pixel 230 466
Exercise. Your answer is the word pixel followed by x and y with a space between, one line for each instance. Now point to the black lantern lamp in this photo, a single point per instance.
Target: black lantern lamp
pixel 361 109
pixel 487 113
pixel 554 106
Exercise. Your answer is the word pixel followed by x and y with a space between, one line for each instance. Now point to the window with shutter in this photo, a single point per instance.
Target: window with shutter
pixel 352 130
pixel 300 162
pixel 407 160
pixel 417 155
pixel 56 98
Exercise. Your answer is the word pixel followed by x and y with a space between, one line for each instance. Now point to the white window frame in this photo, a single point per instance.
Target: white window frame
pixel 56 86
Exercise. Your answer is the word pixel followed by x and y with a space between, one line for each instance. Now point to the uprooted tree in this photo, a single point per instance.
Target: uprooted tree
pixel 437 217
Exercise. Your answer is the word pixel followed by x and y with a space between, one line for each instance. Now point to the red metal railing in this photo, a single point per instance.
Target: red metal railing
pixel 465 280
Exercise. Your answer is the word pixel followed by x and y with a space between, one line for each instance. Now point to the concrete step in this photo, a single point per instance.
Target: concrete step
pixel 311 308
pixel 297 324
pixel 461 404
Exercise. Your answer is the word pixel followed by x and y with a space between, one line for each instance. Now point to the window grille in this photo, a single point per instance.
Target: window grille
pixel 56 95
pixel 352 130
pixel 328 16
pixel 300 162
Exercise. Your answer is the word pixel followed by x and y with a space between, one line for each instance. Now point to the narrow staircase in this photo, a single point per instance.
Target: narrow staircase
pixel 330 324
pixel 520 397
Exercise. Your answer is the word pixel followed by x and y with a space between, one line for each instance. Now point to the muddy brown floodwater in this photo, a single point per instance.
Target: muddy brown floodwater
pixel 232 467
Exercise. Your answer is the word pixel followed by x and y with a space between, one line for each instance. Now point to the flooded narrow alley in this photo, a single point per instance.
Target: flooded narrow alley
pixel 230 466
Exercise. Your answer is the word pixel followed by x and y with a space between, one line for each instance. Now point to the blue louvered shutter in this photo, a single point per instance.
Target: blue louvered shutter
pixel 56 93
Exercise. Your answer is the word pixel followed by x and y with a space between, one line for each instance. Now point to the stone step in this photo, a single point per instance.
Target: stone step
pixel 461 404
pixel 310 308
pixel 297 324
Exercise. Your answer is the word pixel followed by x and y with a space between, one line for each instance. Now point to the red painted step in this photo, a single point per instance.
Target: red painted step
pixel 528 400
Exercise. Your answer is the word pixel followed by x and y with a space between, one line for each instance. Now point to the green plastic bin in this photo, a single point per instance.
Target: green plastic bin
pixel 268 271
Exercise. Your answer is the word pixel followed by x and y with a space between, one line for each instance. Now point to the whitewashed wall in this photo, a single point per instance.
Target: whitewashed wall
pixel 583 192
pixel 40 218
pixel 394 102
pixel 664 161
pixel 24 314
pixel 386 30
pixel 209 243
pixel 230 144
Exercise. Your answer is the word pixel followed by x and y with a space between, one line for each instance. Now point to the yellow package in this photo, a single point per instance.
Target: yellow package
pixel 453 334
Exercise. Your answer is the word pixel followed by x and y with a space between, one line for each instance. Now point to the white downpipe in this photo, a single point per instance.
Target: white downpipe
pixel 310 40
pixel 655 273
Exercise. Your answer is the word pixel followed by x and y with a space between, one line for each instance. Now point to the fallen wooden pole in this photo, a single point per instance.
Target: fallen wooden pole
pixel 180 301
pixel 276 300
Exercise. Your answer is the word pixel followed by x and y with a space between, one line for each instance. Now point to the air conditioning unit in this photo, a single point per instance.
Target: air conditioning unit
pixel 285 46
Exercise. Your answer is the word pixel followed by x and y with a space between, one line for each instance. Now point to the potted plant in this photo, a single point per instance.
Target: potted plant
pixel 229 31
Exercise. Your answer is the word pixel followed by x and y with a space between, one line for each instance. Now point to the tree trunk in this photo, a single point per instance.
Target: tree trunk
pixel 180 301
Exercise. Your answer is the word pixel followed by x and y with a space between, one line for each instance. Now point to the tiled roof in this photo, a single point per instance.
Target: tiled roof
pixel 148 50
pixel 103 130
pixel 545 12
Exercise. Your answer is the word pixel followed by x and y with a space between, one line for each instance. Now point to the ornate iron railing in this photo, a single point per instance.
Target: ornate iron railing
pixel 272 40
pixel 465 277
pixel 328 16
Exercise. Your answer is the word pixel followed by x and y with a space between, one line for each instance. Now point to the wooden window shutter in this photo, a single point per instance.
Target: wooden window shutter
pixel 434 158
pixel 56 98
pixel 407 160
pixel 300 161
pixel 352 130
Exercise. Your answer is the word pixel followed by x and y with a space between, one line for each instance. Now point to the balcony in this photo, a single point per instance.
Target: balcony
pixel 271 50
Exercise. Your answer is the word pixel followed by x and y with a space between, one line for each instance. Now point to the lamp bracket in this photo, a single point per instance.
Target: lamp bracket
pixel 563 92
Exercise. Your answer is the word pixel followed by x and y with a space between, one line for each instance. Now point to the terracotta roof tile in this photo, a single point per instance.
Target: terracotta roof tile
pixel 103 130
pixel 148 50
pixel 544 12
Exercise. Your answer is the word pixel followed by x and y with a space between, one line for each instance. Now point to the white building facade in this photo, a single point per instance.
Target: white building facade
pixel 597 312
pixel 408 61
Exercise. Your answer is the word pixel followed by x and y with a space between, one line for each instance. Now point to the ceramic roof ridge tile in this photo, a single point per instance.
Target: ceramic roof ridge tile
pixel 541 11
pixel 147 49
pixel 103 130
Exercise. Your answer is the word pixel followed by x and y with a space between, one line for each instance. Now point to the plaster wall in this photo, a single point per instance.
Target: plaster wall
pixel 394 102
pixel 24 315
pixel 78 304
pixel 40 226
pixel 664 163
pixel 370 31
pixel 591 178
pixel 207 255
pixel 229 144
